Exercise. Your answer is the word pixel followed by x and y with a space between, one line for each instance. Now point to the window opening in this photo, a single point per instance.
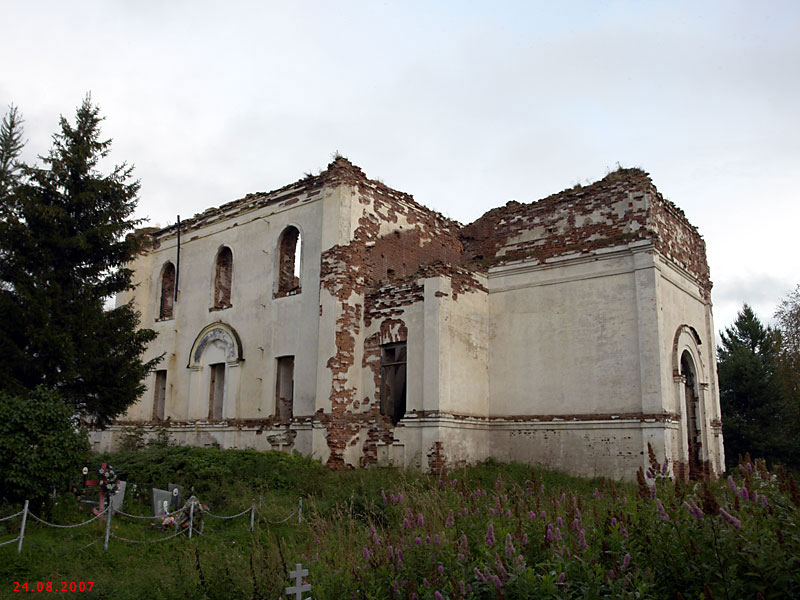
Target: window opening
pixel 216 391
pixel 167 291
pixel 393 381
pixel 289 249
pixel 692 417
pixel 160 395
pixel 223 276
pixel 284 389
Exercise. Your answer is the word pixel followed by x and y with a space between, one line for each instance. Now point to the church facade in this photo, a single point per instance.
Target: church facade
pixel 342 319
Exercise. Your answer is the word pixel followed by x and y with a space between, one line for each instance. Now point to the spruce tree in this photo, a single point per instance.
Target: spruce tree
pixel 64 248
pixel 755 414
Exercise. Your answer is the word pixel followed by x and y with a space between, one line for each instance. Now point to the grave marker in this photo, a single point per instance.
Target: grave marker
pixel 160 498
pixel 118 496
pixel 299 587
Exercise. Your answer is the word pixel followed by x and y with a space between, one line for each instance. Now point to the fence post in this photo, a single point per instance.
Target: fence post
pixel 191 518
pixel 252 515
pixel 22 528
pixel 300 512
pixel 108 525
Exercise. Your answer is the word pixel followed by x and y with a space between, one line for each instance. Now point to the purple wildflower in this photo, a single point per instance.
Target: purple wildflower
pixel 543 515
pixel 462 588
pixel 661 511
pixel 497 583
pixel 508 513
pixel 730 518
pixel 549 534
pixel 576 524
pixel 427 540
pixel 417 541
pixel 420 520
pixel 745 494
pixel 624 532
pixel 731 483
pixel 694 509
pixel 582 540
pixel 440 569
pixel 450 519
pixel 560 522
pixel 509 546
pixel 479 575
pixel 561 578
pixel 406 524
pixel 383 495
pixel 531 514
pixel 613 522
pixel 626 561
pixel 437 595
pixel 559 537
pixel 489 539
pixel 524 538
pixel 596 494
pixel 366 553
pixel 499 483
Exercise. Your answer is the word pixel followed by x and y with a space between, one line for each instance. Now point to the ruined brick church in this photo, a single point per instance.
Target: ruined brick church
pixel 338 317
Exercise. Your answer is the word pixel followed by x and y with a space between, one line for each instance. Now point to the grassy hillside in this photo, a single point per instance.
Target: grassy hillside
pixel 490 531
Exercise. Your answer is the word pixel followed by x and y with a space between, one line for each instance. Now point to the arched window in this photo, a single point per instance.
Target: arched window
pixel 289 248
pixel 167 291
pixel 223 276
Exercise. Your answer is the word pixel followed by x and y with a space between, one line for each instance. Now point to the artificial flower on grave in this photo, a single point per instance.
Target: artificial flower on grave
pixel 109 481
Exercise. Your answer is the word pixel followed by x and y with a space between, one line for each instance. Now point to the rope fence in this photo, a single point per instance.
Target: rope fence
pixel 181 527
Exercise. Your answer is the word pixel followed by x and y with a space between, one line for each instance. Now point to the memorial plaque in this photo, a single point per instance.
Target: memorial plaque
pixel 177 496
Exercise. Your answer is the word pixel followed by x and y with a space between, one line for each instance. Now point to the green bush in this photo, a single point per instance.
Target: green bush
pixel 41 446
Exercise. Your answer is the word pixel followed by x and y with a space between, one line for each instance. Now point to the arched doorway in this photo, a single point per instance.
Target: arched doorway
pixel 693 417
pixel 214 383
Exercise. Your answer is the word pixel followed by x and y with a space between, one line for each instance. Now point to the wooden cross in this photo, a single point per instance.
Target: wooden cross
pixel 299 587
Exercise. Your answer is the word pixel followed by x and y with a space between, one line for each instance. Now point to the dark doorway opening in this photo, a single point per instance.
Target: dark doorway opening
pixel 393 381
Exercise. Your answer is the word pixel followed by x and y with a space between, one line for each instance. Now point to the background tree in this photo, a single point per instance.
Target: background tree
pixel 787 319
pixel 755 414
pixel 41 446
pixel 64 248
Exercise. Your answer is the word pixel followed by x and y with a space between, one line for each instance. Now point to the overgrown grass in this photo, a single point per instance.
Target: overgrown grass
pixel 490 531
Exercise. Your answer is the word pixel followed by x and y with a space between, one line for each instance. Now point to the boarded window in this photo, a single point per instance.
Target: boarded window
pixel 167 291
pixel 216 393
pixel 160 395
pixel 284 388
pixel 289 262
pixel 223 276
pixel 393 381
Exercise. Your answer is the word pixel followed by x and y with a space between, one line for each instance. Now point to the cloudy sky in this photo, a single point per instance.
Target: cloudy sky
pixel 465 105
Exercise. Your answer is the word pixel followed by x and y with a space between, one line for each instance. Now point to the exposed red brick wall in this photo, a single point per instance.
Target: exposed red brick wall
pixel 621 208
pixel 679 241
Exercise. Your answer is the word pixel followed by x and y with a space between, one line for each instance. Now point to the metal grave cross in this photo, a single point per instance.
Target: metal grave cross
pixel 299 587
